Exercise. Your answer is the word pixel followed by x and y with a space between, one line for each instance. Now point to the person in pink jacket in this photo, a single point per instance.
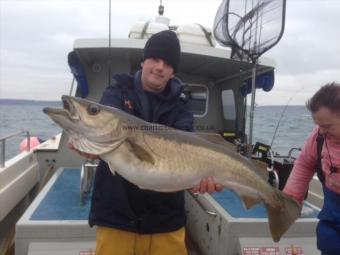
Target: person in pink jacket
pixel 325 109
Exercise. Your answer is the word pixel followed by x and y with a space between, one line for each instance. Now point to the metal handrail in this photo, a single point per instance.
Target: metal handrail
pixel 203 207
pixel 3 144
pixel 291 151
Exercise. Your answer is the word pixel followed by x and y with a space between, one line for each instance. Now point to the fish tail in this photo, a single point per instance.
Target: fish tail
pixel 282 217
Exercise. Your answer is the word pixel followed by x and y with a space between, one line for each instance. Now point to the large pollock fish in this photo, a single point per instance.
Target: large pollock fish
pixel 159 158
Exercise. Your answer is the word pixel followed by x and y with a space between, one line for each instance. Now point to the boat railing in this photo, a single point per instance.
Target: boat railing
pixel 201 205
pixel 3 144
pixel 291 152
pixel 289 157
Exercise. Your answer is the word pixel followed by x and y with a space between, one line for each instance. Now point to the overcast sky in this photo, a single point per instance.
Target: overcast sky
pixel 36 36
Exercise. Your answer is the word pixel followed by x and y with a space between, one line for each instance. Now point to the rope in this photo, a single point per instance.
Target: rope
pixel 206 34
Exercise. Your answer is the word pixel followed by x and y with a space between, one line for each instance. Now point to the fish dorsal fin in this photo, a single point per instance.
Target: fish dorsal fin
pixel 141 153
pixel 213 138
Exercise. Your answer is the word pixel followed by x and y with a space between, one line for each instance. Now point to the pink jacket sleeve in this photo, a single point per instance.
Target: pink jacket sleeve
pixel 303 170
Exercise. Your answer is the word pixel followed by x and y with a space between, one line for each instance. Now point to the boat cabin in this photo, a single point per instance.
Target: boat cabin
pixel 215 85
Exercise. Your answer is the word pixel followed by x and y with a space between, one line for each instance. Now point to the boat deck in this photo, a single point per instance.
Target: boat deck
pixel 58 220
pixel 56 214
pixel 235 208
pixel 62 201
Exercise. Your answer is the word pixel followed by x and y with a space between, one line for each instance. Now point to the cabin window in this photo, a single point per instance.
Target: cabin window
pixel 228 101
pixel 197 96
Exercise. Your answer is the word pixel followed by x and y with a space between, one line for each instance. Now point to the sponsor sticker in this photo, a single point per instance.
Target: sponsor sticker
pixel 261 251
pixel 292 250
pixel 88 252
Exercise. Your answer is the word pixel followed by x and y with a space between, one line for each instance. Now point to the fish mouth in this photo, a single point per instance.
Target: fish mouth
pixel 68 106
pixel 68 109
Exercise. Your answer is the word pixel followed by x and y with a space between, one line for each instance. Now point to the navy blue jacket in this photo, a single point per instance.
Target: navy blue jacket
pixel 120 204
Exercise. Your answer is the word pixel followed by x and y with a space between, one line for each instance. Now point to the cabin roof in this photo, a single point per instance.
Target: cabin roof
pixel 195 59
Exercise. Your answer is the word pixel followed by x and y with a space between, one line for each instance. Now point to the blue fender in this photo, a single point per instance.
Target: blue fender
pixel 264 81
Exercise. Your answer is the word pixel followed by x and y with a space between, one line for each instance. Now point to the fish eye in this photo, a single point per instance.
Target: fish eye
pixel 93 109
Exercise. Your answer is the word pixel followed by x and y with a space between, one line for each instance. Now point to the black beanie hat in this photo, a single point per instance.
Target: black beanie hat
pixel 164 45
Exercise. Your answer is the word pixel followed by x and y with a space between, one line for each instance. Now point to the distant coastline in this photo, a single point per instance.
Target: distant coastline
pixel 7 101
pixel 10 101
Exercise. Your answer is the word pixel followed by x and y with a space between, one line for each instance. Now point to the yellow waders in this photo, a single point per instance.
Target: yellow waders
pixel 110 241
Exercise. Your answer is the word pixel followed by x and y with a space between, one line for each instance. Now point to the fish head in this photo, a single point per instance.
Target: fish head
pixel 93 128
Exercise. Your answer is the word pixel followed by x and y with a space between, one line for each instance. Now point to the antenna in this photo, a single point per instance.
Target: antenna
pixel 160 9
pixel 109 55
pixel 250 28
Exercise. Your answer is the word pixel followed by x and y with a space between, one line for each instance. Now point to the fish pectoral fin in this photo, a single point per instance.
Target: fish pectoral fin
pixel 141 153
pixel 112 168
pixel 250 201
pixel 108 159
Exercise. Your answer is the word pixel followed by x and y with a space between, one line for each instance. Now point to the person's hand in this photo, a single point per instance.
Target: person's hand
pixel 207 185
pixel 86 155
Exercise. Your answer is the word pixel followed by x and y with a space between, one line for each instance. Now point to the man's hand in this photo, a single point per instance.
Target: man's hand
pixel 207 185
pixel 86 155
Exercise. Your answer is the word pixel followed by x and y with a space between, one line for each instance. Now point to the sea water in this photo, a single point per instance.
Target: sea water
pixel 295 126
pixel 25 116
pixel 292 131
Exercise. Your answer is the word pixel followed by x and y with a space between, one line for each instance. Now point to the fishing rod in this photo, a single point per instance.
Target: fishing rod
pixel 273 177
pixel 282 114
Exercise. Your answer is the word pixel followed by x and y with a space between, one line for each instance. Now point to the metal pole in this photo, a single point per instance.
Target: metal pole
pixel 110 54
pixel 2 158
pixel 3 144
pixel 251 112
pixel 28 138
pixel 71 89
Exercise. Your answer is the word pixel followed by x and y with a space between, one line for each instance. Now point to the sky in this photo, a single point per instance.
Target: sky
pixel 36 36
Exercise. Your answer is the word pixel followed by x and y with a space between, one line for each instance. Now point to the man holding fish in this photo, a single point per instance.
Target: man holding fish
pixel 148 158
pixel 131 220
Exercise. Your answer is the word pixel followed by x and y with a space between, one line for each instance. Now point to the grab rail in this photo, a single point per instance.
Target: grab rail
pixel 291 151
pixel 203 207
pixel 3 144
